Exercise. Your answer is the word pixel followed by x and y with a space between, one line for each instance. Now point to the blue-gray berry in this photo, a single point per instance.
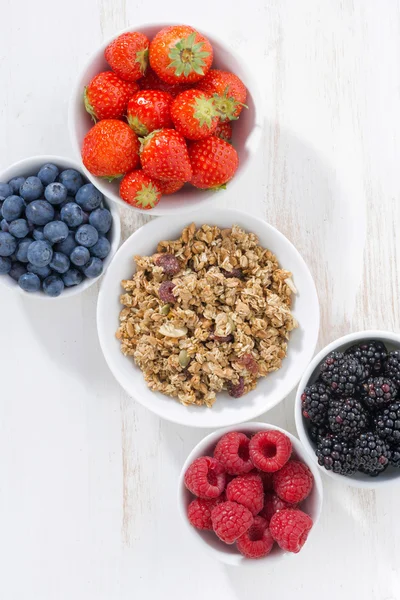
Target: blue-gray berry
pixel 72 277
pixel 71 179
pixel 101 249
pixel 72 214
pixel 12 208
pixel 29 282
pixel 39 212
pixel 80 256
pixel 93 268
pixel 53 285
pixel 86 235
pixel 48 173
pixel 19 228
pixel 17 269
pixel 22 250
pixel 88 197
pixel 67 245
pixel 5 265
pixel 40 253
pixel 55 232
pixel 5 190
pixel 31 189
pixel 38 234
pixel 55 193
pixel 42 272
pixel 15 183
pixel 8 244
pixel 101 219
pixel 60 262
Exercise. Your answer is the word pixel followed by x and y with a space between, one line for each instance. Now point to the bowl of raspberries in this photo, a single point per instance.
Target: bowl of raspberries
pixel 348 408
pixel 250 493
pixel 162 116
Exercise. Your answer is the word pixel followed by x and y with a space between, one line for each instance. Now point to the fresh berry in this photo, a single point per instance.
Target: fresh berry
pixel 387 423
pixel 230 520
pixel 180 54
pixel 72 277
pixel 79 256
pixel 110 149
pixel 236 390
pixel 39 212
pixel 149 110
pixel 199 511
pixel 5 265
pixel 5 190
pixel 372 452
pixel 8 244
pixel 67 245
pixel 266 478
pixel 29 282
pixel 169 264
pixel 347 417
pixel 53 286
pixel 151 81
pixel 337 455
pixel 41 272
pixel 290 528
pixel 93 268
pixel 232 451
pixel 194 114
pixel 257 541
pixel 315 402
pixel 165 291
pixel 101 219
pixel 55 193
pixel 17 269
pixel 317 432
pixel 60 263
pixel 89 197
pixel 127 55
pixel 342 373
pixel 372 355
pixel 205 477
pixel 31 189
pixel 15 184
pixel 4 226
pixel 101 249
pixel 38 234
pixel 12 208
pixel 19 228
pixel 48 173
pixel 139 190
pixel 169 187
pixel 55 231
pixel 395 457
pixel 107 96
pixel 270 450
pixel 72 214
pixel 22 251
pixel 378 391
pixel 272 503
pixel 214 162
pixel 86 235
pixel 40 253
pixel 164 155
pixel 293 482
pixel 71 180
pixel 228 91
pixel 392 366
pixel 224 131
pixel 247 490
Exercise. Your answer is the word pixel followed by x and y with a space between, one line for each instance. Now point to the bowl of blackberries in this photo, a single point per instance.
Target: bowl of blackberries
pixel 348 408
pixel 58 233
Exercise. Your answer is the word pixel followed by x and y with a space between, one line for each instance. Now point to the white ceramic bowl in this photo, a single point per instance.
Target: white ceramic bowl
pixel 207 539
pixel 246 135
pixel 31 166
pixel 360 480
pixel 271 389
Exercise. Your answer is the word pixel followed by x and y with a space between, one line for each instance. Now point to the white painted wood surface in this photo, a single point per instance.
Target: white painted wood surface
pixel 87 476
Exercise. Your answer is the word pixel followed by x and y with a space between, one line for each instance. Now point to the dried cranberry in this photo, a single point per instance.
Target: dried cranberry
pixel 248 362
pixel 165 292
pixel 169 263
pixel 238 273
pixel 236 390
pixel 221 339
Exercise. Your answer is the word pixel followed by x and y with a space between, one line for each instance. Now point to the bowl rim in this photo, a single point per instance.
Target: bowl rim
pixel 76 90
pixel 70 163
pixel 350 338
pixel 212 438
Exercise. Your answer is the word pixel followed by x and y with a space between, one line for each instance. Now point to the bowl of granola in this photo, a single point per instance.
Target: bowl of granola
pixel 208 319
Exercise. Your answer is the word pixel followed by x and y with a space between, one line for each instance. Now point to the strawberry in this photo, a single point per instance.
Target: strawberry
pixel 164 155
pixel 214 162
pixel 106 96
pixel 169 187
pixel 194 114
pixel 140 190
pixel 151 81
pixel 180 54
pixel 110 149
pixel 149 110
pixel 228 90
pixel 128 55
pixel 224 131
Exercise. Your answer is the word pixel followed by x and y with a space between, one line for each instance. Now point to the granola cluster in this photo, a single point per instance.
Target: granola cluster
pixel 208 312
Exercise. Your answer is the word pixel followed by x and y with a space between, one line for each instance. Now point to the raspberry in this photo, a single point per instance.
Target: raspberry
pixel 205 477
pixel 165 292
pixel 290 528
pixel 270 450
pixel 272 503
pixel 199 511
pixel 257 541
pixel 248 491
pixel 230 520
pixel 293 482
pixel 169 264
pixel 232 451
pixel 266 478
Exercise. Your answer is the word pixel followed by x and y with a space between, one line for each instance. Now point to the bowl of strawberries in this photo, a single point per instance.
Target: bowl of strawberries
pixel 162 117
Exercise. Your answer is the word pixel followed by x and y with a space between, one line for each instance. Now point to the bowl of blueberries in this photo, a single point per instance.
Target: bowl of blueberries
pixel 58 233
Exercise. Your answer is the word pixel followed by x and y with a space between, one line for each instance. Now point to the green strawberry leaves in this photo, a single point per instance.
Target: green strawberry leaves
pixel 186 56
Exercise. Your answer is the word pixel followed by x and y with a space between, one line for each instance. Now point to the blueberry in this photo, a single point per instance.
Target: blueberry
pixel 15 183
pixel 80 256
pixel 42 272
pixel 39 212
pixel 5 190
pixel 89 197
pixel 72 214
pixel 60 262
pixel 55 231
pixel 93 268
pixel 22 250
pixel 12 208
pixel 8 244
pixel 101 249
pixel 38 234
pixel 101 219
pixel 4 226
pixel 53 285
pixel 40 253
pixel 19 228
pixel 5 265
pixel 31 189
pixel 29 282
pixel 55 193
pixel 86 236
pixel 72 277
pixel 71 179
pixel 17 269
pixel 67 245
pixel 48 173
pixel 85 216
pixel 67 200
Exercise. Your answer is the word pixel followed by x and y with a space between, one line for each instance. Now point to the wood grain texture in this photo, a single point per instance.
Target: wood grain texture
pixel 87 476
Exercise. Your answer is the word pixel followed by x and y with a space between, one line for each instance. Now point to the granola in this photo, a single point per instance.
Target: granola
pixel 208 312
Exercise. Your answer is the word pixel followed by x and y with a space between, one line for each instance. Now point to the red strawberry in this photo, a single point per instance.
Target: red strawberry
pixel 194 114
pixel 149 110
pixel 228 91
pixel 106 96
pixel 214 162
pixel 139 190
pixel 170 187
pixel 164 155
pixel 180 54
pixel 224 131
pixel 151 81
pixel 110 149
pixel 128 55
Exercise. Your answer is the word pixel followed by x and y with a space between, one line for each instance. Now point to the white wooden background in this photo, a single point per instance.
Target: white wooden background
pixel 87 476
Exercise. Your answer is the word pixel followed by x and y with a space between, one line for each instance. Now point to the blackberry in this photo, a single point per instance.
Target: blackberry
pixel 317 432
pixel 387 423
pixel 395 457
pixel 372 355
pixel 315 402
pixel 347 417
pixel 337 455
pixel 372 453
pixel 378 391
pixel 392 367
pixel 343 374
